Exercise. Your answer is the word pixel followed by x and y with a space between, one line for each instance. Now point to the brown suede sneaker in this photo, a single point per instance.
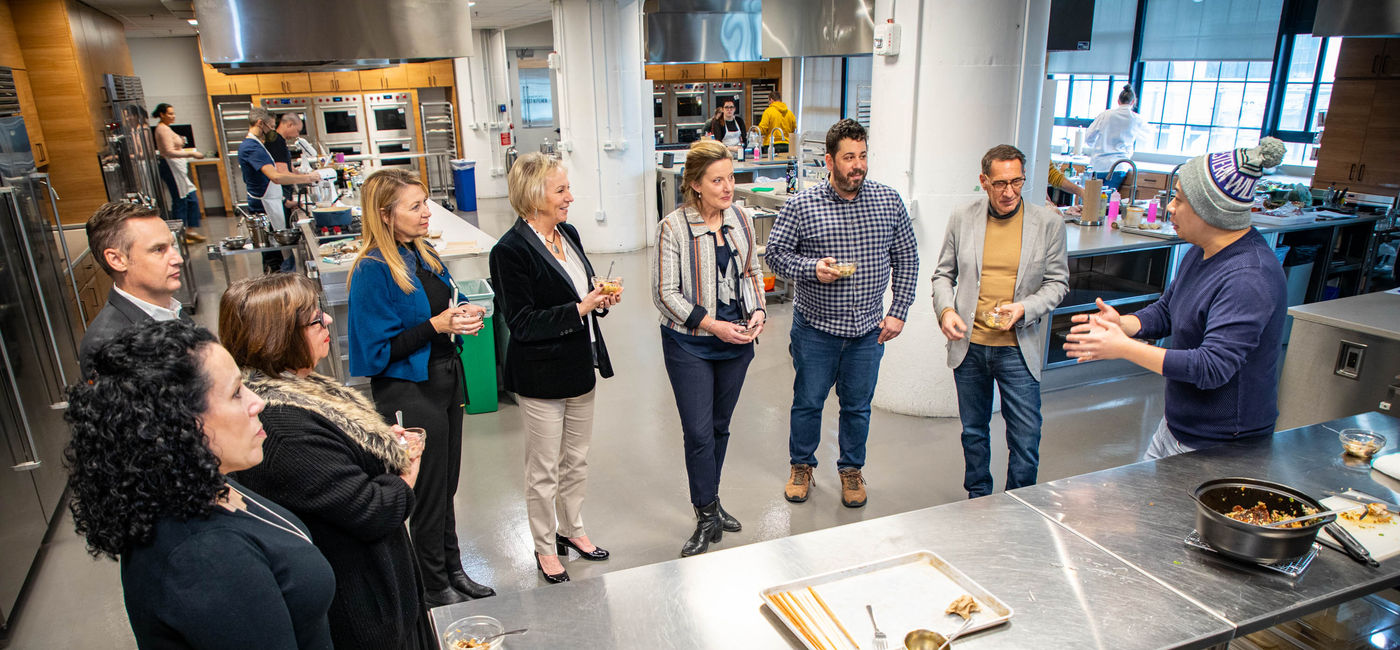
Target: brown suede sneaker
pixel 852 488
pixel 798 483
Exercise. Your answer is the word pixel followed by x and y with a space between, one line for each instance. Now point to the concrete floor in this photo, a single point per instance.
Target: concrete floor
pixel 638 506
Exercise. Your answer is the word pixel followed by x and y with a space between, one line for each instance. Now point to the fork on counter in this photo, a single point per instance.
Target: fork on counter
pixel 880 639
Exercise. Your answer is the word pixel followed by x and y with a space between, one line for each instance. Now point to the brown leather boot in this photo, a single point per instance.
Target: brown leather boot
pixel 798 483
pixel 852 488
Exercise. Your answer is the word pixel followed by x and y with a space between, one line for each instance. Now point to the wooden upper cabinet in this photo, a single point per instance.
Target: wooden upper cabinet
pixel 724 71
pixel 444 74
pixel 1369 58
pixel 686 72
pixel 1348 113
pixel 297 82
pixel 10 54
pixel 323 82
pixel 420 75
pixel 763 69
pixel 1379 166
pixel 282 84
pixel 219 83
pixel 30 111
pixel 384 78
pixel 655 72
pixel 271 84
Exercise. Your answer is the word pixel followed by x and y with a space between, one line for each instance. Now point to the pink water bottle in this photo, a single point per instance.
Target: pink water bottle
pixel 1113 207
pixel 1152 211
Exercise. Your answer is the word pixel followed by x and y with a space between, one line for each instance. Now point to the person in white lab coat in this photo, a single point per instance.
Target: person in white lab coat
pixel 1113 136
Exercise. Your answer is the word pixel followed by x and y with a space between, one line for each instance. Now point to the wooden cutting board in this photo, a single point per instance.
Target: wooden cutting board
pixel 1382 540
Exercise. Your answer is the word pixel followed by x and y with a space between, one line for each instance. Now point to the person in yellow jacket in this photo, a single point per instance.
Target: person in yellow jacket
pixel 777 117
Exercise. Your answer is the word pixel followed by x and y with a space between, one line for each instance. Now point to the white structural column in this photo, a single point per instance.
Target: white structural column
pixel 969 75
pixel 605 121
pixel 481 90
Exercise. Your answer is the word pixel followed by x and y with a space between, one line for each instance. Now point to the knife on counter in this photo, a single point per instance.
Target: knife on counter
pixel 1362 497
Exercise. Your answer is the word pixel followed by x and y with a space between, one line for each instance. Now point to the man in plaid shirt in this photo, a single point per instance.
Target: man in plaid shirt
pixel 839 326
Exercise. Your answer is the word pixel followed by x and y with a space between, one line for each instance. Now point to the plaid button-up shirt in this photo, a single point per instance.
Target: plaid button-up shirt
pixel 872 230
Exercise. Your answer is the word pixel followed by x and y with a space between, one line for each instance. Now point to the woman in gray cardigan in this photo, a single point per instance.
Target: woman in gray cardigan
pixel 707 283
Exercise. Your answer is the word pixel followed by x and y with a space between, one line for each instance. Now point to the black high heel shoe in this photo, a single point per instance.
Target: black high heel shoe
pixel 553 579
pixel 563 544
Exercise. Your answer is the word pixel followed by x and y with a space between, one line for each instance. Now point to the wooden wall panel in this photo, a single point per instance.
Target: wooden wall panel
pixel 67 46
pixel 10 56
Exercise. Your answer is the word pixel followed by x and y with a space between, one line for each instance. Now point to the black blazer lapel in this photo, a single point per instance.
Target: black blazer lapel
pixel 533 240
pixel 128 309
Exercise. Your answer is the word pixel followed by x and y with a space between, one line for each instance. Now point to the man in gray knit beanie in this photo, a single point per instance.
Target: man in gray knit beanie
pixel 1224 312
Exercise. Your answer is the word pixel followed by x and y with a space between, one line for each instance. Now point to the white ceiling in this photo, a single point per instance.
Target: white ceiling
pixel 161 18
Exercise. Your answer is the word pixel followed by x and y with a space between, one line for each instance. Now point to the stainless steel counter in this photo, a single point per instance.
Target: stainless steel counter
pixel 1372 313
pixel 1065 592
pixel 1141 513
pixel 1093 561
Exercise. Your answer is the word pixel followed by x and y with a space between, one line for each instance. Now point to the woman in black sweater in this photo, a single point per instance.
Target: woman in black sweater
pixel 330 459
pixel 160 419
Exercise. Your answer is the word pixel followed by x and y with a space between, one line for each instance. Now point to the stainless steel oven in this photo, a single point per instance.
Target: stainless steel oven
pixel 347 148
pixel 299 105
pixel 340 118
pixel 690 110
pixel 390 115
pixel 389 146
pixel 661 116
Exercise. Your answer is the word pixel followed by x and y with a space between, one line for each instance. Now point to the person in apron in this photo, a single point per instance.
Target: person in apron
pixel 264 181
pixel 727 126
pixel 175 173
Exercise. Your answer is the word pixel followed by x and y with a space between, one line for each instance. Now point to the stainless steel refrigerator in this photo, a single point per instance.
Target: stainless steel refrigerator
pixel 132 146
pixel 38 357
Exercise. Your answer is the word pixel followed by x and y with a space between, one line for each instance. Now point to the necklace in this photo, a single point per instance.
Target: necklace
pixel 553 243
pixel 290 527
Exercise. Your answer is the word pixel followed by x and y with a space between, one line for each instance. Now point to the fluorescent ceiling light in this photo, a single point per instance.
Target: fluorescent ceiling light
pixel 192 21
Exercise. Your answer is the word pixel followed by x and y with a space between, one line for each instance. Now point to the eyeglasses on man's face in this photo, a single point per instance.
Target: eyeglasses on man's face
pixel 1014 183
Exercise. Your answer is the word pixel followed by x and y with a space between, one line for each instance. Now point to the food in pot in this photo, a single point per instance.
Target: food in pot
pixel 1261 515
pixel 964 606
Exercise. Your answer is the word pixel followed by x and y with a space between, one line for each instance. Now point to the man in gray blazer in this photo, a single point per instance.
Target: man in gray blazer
pixel 133 245
pixel 1002 268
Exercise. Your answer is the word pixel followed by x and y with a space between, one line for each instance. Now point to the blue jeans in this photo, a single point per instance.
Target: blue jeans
pixel 1020 408
pixel 186 209
pixel 706 392
pixel 821 360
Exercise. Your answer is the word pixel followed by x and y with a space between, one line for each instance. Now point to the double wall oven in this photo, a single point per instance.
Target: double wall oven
pixel 661 116
pixel 690 110
pixel 301 106
pixel 391 128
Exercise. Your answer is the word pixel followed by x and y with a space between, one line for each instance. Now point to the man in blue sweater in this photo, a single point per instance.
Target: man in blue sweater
pixel 1224 312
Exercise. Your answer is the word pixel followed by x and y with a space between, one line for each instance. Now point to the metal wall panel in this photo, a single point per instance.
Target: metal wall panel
pixel 818 27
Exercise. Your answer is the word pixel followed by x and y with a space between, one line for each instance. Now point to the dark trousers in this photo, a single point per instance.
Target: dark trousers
pixel 1020 406
pixel 434 405
pixel 706 392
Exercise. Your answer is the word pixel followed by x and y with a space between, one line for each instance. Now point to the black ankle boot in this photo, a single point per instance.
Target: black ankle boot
pixel 708 529
pixel 730 524
pixel 468 587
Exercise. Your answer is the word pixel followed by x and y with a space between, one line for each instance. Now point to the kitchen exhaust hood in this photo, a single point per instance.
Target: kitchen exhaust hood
pixel 697 31
pixel 252 36
pixel 1357 18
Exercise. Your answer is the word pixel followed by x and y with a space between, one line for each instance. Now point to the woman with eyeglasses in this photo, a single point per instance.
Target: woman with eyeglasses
pixel 404 317
pixel 330 459
pixel 727 126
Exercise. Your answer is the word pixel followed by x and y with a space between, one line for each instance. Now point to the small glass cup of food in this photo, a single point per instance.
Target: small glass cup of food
pixel 995 317
pixel 743 325
pixel 609 286
pixel 844 269
pixel 412 440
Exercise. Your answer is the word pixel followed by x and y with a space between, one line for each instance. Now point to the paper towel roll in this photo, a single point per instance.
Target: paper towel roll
pixel 1079 141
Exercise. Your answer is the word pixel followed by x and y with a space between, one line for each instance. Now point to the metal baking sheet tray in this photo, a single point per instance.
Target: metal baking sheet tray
pixel 1167 232
pixel 907 592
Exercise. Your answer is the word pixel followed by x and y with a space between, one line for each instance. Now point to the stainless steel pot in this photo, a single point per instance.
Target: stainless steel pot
pixel 1248 542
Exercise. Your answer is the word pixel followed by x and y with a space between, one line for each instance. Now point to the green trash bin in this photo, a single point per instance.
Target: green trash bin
pixel 479 352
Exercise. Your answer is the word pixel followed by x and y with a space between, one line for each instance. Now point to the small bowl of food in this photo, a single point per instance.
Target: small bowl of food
pixel 844 269
pixel 608 285
pixel 435 233
pixel 231 243
pixel 468 633
pixel 1361 443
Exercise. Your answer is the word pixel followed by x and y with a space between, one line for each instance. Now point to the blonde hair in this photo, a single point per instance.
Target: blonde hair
pixel 701 155
pixel 525 182
pixel 378 198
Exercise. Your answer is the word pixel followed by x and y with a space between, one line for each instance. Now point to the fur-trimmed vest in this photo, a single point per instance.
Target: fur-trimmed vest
pixel 344 407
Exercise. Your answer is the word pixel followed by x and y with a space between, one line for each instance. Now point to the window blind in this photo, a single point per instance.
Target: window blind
pixel 1211 30
pixel 1110 42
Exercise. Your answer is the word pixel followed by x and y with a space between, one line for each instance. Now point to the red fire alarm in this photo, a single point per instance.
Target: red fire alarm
pixel 505 139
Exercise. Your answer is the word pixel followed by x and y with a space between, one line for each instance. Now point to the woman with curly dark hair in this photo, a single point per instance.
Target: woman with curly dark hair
pixel 206 563
pixel 330 458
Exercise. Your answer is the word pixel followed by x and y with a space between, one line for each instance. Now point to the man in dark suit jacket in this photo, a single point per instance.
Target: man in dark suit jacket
pixel 133 245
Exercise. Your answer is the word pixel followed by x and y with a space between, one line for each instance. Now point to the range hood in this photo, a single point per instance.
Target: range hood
pixel 1357 18
pixel 699 31
pixel 253 36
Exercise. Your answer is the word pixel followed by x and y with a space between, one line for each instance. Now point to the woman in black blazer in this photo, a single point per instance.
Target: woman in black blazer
pixel 545 293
